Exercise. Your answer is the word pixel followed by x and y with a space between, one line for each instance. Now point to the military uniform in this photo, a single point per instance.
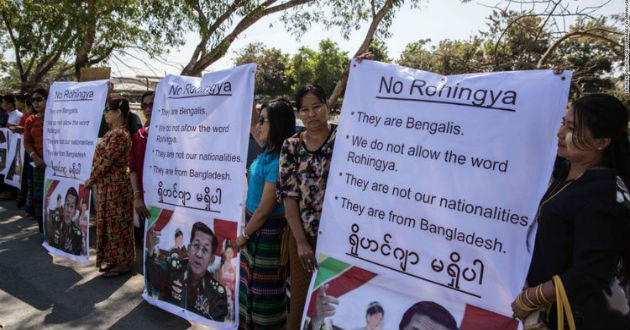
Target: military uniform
pixel 68 238
pixel 172 277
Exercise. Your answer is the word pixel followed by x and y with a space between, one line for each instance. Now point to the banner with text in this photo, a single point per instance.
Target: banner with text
pixel 421 217
pixel 4 152
pixel 194 173
pixel 15 160
pixel 73 116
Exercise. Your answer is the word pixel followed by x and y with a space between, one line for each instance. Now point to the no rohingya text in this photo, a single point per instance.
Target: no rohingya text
pixel 453 93
pixel 74 95
pixel 222 88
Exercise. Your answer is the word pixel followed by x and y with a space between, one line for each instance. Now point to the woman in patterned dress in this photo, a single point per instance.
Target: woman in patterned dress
pixel 304 163
pixel 262 290
pixel 115 249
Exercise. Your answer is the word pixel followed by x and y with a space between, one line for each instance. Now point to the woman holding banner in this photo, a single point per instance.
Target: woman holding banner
pixel 262 291
pixel 304 164
pixel 582 247
pixel 114 210
pixel 34 146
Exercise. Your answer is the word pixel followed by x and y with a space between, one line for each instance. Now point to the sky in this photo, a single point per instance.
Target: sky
pixel 435 19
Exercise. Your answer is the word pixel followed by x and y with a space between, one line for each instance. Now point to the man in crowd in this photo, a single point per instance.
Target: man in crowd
pixel 13 120
pixel 63 233
pixel 187 283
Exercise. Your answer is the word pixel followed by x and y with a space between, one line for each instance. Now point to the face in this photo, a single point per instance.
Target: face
pixel 84 207
pixel 374 320
pixel 19 105
pixel 422 322
pixel 111 116
pixel 6 106
pixel 263 125
pixel 68 208
pixel 229 253
pixel 313 113
pixel 200 253
pixel 147 107
pixel 39 102
pixel 567 148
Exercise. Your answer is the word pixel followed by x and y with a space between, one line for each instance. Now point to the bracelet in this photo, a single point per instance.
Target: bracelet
pixel 135 193
pixel 528 301
pixel 245 236
pixel 542 295
pixel 31 154
pixel 521 305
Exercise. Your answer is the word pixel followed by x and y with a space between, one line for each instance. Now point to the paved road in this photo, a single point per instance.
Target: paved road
pixel 38 291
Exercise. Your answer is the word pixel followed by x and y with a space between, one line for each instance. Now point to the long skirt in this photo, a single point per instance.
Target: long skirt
pixel 262 291
pixel 114 222
pixel 300 280
pixel 37 196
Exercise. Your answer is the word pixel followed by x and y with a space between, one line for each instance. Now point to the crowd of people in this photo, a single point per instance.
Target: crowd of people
pixel 583 220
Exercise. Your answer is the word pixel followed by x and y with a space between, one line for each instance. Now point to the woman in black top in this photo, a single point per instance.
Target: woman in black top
pixel 584 218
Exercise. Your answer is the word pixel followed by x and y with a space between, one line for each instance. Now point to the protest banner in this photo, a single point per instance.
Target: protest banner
pixel 433 189
pixel 4 146
pixel 15 160
pixel 73 115
pixel 194 181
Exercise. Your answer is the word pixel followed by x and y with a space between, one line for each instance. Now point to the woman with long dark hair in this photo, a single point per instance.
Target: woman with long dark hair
pixel 304 165
pixel 584 219
pixel 34 146
pixel 262 291
pixel 115 249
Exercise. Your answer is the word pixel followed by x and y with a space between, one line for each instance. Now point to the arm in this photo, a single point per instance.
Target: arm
pixel 29 146
pixel 114 149
pixel 138 197
pixel 305 252
pixel 268 202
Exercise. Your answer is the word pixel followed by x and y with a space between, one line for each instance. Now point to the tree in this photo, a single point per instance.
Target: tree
pixel 42 34
pixel 323 67
pixel 214 20
pixel 272 76
pixel 379 49
pixel 449 57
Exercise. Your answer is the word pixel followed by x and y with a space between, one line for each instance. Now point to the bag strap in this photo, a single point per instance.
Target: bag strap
pixel 563 305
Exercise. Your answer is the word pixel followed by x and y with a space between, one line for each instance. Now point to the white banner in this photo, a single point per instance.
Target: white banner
pixel 194 172
pixel 434 183
pixel 73 115
pixel 15 164
pixel 4 153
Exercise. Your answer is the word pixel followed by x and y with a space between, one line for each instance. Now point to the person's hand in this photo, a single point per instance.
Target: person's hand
pixel 154 238
pixel 240 241
pixel 39 162
pixel 307 257
pixel 325 306
pixel 364 56
pixel 558 70
pixel 140 207
pixel 519 313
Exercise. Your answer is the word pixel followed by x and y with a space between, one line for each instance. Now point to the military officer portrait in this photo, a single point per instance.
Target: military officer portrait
pixel 186 282
pixel 62 232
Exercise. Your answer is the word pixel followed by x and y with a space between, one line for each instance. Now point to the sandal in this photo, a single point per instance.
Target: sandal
pixel 105 269
pixel 116 271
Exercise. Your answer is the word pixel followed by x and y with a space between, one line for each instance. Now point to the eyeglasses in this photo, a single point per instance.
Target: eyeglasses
pixel 196 247
pixel 146 105
pixel 262 120
pixel 37 99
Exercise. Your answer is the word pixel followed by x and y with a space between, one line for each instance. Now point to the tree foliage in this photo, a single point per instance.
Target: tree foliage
pixel 42 35
pixel 272 78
